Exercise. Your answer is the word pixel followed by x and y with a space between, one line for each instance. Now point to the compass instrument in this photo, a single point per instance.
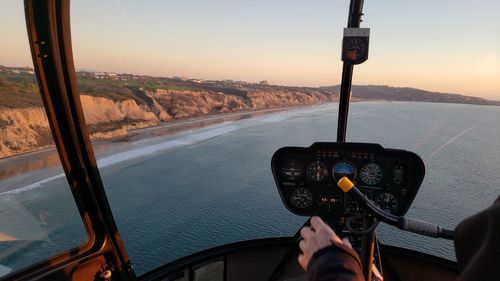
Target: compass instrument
pixel 355 45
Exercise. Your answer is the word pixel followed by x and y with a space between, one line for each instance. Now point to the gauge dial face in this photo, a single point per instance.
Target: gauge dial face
pixel 301 198
pixel 317 171
pixel 371 173
pixel 292 170
pixel 355 49
pixel 387 202
pixel 344 169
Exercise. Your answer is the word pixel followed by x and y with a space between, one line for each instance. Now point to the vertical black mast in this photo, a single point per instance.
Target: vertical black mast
pixel 355 13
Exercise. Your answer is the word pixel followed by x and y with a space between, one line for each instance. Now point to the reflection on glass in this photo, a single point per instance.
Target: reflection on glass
pixel 38 215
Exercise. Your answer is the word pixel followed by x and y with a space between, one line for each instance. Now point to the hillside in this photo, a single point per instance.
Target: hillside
pixel 376 92
pixel 114 104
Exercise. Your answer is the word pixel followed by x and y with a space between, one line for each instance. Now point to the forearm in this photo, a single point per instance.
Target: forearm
pixel 337 262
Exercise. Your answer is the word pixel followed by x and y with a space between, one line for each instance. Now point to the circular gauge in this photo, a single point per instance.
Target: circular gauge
pixel 371 173
pixel 317 171
pixel 292 169
pixel 355 49
pixel 301 198
pixel 387 202
pixel 344 169
pixel 398 174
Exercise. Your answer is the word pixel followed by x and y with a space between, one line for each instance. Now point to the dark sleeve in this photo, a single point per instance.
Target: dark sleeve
pixel 477 245
pixel 337 262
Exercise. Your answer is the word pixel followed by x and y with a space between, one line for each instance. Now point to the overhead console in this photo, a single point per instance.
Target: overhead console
pixel 307 177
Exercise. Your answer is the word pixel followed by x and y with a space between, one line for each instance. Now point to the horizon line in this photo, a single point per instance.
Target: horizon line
pixel 187 78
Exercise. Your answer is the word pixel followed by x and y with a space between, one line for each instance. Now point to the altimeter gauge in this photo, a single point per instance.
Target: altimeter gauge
pixel 371 173
pixel 317 171
pixel 301 198
pixel 387 202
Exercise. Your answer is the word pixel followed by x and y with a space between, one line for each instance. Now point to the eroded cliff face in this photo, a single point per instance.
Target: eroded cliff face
pixel 102 110
pixel 187 103
pixel 26 129
pixel 23 129
pixel 184 103
pixel 264 99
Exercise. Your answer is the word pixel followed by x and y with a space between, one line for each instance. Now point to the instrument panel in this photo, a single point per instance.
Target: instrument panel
pixel 307 178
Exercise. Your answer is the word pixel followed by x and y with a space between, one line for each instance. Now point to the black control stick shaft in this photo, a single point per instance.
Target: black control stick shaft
pixel 408 224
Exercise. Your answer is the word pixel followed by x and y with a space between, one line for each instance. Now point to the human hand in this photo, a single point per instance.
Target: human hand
pixel 317 237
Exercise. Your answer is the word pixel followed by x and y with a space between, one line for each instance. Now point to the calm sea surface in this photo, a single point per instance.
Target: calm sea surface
pixel 178 194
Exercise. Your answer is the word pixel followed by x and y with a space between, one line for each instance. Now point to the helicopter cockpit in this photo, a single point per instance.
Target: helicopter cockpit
pixel 131 150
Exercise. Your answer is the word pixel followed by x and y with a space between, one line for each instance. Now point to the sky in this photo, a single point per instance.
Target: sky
pixel 439 45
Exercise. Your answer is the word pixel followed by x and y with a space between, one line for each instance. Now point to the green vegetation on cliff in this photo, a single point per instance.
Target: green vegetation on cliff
pixel 18 90
pixel 114 104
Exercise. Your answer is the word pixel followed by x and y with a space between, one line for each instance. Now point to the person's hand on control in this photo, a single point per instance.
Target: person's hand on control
pixel 317 237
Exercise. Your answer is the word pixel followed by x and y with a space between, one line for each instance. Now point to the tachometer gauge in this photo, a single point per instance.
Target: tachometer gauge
pixel 317 171
pixel 301 198
pixel 292 169
pixel 371 173
pixel 387 202
pixel 398 174
pixel 344 169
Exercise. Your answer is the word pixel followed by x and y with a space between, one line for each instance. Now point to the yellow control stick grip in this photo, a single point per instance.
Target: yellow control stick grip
pixel 345 184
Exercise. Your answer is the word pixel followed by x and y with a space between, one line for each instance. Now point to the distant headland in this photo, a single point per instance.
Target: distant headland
pixel 116 103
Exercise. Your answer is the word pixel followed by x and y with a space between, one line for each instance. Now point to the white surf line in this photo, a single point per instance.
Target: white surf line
pixel 286 115
pixel 190 138
pixel 138 152
pixel 33 185
pixel 274 117
pixel 452 140
pixel 151 149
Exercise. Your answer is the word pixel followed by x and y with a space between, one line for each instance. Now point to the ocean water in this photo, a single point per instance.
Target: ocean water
pixel 174 195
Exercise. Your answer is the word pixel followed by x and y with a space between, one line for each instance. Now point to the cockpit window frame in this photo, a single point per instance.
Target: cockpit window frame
pixel 49 34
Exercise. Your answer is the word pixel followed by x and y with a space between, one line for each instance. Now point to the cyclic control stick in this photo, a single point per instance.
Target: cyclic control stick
pixel 408 224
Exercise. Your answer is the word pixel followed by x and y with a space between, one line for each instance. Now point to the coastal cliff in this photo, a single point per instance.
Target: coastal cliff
pixel 115 104
pixel 23 129
pixel 27 129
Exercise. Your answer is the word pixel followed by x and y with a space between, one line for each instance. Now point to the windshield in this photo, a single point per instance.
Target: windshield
pixel 186 101
pixel 38 215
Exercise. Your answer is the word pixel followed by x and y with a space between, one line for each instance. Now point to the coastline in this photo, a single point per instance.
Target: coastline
pixel 46 160
pixel 200 121
pixel 40 165
pixel 138 133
